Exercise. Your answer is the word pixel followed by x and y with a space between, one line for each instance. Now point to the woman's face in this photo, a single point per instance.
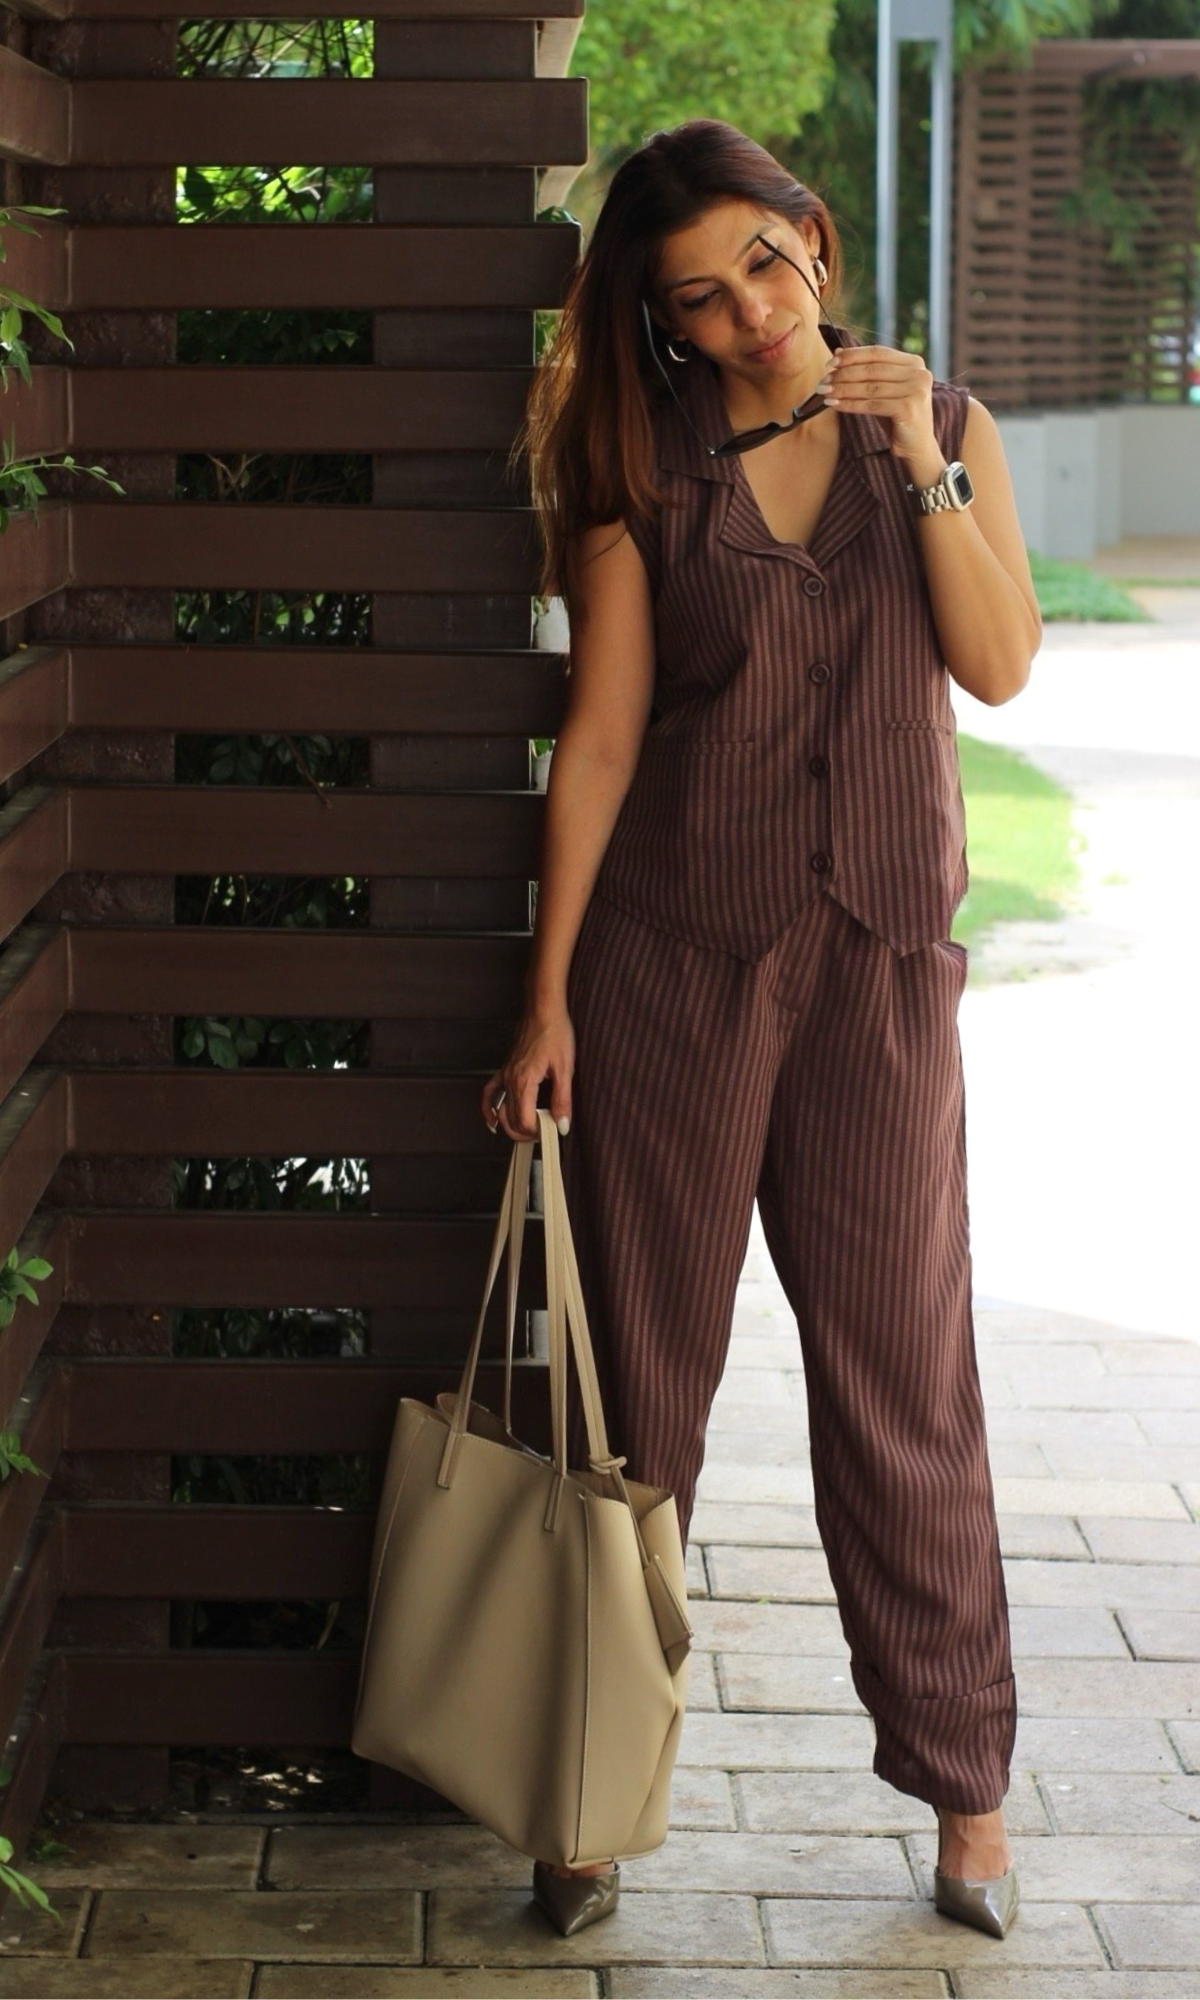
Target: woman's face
pixel 719 287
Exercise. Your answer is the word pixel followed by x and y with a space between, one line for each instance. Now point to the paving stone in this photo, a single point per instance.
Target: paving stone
pixel 791 1484
pixel 1135 1499
pixel 1041 1630
pixel 1050 1427
pixel 423 1982
pixel 127 1979
pixel 1163 1635
pixel 31 1931
pixel 412 1857
pixel 1122 1868
pixel 1052 1536
pixel 1119 1586
pixel 1024 1324
pixel 1093 1743
pixel 1142 1541
pixel 648 1927
pixel 247 1923
pixel 1149 1934
pixel 759 1525
pixel 697 1580
pixel 806 1931
pixel 702 1799
pixel 853 1802
pixel 1109 1687
pixel 783 1682
pixel 749 1385
pixel 773 1864
pixel 1186 1738
pixel 764 1350
pixel 781 1742
pixel 777 1446
pixel 702 1691
pixel 1085 1802
pixel 1017 1458
pixel 979 1982
pixel 730 1625
pixel 1079 1360
pixel 1111 1392
pixel 104 1855
pixel 783 1575
pixel 1151 1357
pixel 1170 1426
pixel 653 1983
pixel 1084 1459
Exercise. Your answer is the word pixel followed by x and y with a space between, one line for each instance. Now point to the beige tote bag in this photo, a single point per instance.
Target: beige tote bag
pixel 527 1635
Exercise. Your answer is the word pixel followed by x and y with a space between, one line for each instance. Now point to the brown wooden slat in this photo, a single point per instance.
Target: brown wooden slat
pixel 193 408
pixel 348 690
pixel 272 1406
pixel 34 111
pixel 32 1754
pixel 182 969
pixel 322 10
pixel 30 1609
pixel 33 998
pixel 215 1551
pixel 207 1696
pixel 34 555
pixel 22 1340
pixel 257 265
pixel 33 1139
pixel 450 122
pixel 286 830
pixel 221 1259
pixel 1130 59
pixel 34 832
pixel 33 703
pixel 22 1493
pixel 214 546
pixel 204 1114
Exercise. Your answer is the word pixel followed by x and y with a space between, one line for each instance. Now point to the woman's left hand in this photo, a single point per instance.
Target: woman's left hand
pixel 887 382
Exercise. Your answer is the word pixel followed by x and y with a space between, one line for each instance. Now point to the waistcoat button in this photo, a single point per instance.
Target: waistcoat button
pixel 819 673
pixel 821 864
pixel 819 766
pixel 813 586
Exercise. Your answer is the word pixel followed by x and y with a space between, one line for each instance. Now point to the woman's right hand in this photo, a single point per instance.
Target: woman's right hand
pixel 544 1045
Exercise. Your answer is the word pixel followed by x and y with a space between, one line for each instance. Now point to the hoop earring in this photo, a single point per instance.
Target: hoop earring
pixel 678 357
pixel 822 273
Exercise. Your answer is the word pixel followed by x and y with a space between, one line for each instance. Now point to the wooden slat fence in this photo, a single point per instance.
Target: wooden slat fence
pixel 1042 317
pixel 470 126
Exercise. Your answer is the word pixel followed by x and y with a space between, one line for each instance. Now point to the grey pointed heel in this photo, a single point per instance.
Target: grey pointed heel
pixel 990 1905
pixel 573 1901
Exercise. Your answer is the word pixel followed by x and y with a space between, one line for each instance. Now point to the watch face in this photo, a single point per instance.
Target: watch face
pixel 960 479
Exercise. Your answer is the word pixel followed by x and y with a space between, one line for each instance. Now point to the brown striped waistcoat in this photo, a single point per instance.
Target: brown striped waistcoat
pixel 801 737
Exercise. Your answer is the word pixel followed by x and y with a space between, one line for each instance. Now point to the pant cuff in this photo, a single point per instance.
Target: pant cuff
pixel 952 1751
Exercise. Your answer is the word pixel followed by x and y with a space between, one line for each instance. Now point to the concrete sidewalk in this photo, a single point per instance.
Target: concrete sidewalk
pixel 792 1869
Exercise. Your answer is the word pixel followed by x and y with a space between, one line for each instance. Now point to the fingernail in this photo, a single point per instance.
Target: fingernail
pixel 564 1125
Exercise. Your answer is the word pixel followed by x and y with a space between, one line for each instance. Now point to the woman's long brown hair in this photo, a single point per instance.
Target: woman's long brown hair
pixel 588 425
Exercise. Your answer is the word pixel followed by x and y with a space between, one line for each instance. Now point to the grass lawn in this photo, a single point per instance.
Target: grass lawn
pixel 1072 590
pixel 1021 847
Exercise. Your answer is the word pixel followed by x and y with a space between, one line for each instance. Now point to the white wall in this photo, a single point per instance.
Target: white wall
pixel 1085 478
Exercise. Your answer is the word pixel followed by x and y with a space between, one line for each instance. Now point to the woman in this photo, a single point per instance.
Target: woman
pixel 741 983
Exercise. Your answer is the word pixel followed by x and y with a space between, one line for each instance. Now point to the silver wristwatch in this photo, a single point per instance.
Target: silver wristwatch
pixel 953 490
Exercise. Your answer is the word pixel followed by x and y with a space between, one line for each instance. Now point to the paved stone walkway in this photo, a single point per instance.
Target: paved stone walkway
pixel 791 1869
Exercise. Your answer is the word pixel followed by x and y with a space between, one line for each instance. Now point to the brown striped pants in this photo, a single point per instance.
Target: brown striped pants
pixel 826 1080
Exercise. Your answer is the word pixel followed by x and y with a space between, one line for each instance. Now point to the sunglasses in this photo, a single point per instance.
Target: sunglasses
pixel 746 440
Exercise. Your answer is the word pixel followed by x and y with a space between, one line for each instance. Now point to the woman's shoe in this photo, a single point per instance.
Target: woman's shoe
pixel 990 1905
pixel 573 1901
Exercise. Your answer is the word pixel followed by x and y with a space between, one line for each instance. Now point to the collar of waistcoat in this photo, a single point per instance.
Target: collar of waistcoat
pixel 697 384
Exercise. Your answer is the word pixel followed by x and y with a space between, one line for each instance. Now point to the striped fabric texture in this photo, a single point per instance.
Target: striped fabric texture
pixel 826 1080
pixel 802 739
pixel 764 998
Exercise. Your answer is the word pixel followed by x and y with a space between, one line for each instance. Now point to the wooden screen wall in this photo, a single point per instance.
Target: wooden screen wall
pixel 468 104
pixel 1042 317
